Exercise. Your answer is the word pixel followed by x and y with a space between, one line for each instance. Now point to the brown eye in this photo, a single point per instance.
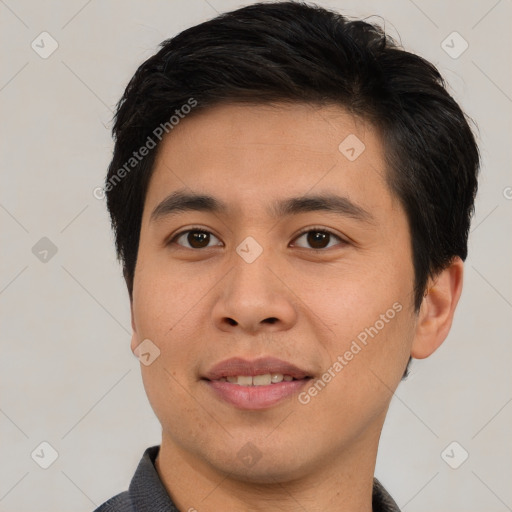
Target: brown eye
pixel 318 238
pixel 194 238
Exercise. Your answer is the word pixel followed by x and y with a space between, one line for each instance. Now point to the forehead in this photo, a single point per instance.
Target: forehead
pixel 247 155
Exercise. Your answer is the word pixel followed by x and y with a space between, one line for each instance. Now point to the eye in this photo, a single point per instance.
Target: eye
pixel 196 238
pixel 319 238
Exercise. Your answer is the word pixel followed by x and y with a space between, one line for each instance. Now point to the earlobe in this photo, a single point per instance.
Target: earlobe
pixel 437 310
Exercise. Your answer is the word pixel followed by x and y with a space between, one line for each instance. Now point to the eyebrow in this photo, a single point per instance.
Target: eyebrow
pixel 181 201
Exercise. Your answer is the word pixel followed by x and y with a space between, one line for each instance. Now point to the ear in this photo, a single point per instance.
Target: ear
pixel 437 309
pixel 135 338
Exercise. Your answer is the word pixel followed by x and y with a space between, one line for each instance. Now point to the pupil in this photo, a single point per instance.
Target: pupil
pixel 317 238
pixel 196 239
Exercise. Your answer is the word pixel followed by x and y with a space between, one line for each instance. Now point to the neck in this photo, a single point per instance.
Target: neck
pixel 341 482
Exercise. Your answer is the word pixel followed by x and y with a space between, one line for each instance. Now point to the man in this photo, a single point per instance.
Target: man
pixel 291 194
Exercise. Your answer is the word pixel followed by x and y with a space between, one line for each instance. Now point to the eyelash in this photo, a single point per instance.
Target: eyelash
pixel 316 229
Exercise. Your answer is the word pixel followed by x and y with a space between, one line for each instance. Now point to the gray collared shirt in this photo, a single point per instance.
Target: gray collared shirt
pixel 147 493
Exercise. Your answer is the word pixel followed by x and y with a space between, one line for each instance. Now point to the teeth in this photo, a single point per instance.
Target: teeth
pixel 258 380
pixel 262 380
pixel 244 380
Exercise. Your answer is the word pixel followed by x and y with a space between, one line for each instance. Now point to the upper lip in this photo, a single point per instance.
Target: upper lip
pixel 239 366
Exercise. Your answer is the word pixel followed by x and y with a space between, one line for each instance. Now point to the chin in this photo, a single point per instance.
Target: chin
pixel 267 466
pixel 266 474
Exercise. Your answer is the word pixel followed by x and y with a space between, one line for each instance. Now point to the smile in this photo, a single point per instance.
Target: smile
pixel 257 380
pixel 254 384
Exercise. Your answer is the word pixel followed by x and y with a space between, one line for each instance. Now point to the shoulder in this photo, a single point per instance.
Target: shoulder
pixel 120 503
pixel 382 500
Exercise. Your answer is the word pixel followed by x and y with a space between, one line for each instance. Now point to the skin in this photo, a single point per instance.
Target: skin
pixel 200 306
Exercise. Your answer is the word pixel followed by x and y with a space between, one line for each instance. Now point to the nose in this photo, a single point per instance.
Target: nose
pixel 255 297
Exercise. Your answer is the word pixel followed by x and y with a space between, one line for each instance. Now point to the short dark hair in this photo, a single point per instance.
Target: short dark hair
pixel 295 52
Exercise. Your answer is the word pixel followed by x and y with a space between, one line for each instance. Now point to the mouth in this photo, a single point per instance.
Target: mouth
pixel 257 384
pixel 265 379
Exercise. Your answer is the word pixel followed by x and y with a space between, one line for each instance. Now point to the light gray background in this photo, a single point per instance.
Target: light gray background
pixel 68 376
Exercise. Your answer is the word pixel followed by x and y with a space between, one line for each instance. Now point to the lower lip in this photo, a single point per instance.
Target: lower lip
pixel 255 397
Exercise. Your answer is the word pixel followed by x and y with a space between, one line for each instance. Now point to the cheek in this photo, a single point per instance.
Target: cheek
pixel 173 404
pixel 350 301
pixel 161 316
pixel 164 298
pixel 365 366
pixel 371 324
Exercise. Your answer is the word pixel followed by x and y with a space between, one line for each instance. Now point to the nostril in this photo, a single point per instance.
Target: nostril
pixel 231 321
pixel 271 320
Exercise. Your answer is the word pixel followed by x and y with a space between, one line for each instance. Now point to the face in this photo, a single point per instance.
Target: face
pixel 298 264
